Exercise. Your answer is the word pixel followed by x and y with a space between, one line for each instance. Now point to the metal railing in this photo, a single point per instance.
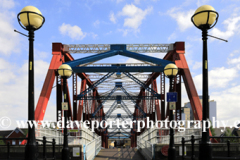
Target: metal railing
pixel 146 148
pixel 43 142
pixel 79 136
pixel 90 141
pixel 193 140
pixel 152 136
pixel 91 149
pixel 155 135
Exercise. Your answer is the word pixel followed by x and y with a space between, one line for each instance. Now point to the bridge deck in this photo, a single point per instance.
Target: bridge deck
pixel 119 153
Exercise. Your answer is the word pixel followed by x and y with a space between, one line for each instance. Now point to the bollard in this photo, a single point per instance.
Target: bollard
pixel 183 141
pixel 228 146
pixel 192 142
pixel 44 148
pixel 8 150
pixel 37 149
pixel 53 148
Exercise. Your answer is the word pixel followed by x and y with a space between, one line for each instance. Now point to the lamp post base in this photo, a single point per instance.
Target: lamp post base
pixel 31 152
pixel 65 153
pixel 171 153
pixel 205 151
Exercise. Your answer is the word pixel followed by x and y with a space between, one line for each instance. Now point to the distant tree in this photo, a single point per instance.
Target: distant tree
pixel 1 141
pixel 228 133
pixel 25 132
pixel 212 130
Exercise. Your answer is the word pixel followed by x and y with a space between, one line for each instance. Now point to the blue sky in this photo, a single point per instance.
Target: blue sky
pixel 119 21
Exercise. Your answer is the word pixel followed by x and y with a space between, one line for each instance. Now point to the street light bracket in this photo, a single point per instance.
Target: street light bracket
pixel 20 33
pixel 218 38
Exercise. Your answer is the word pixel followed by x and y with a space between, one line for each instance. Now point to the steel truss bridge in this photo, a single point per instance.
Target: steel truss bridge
pixel 124 91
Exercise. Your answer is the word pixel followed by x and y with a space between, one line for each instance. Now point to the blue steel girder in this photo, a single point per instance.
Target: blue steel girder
pixel 110 134
pixel 113 131
pixel 125 133
pixel 116 49
pixel 82 94
pixel 124 130
pixel 145 58
pixel 122 116
pixel 118 118
pixel 100 106
pixel 109 112
pixel 124 106
pixel 121 68
pixel 118 137
pixel 140 109
pixel 111 109
pixel 118 133
pixel 142 84
pixel 92 58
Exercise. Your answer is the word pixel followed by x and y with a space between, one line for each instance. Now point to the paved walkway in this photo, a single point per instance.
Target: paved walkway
pixel 119 154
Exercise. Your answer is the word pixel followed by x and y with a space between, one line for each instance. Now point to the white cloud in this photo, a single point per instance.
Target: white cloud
pixel 227 104
pixel 183 18
pixel 73 32
pixel 218 78
pixel 110 32
pixel 96 23
pixel 112 17
pixel 14 88
pixel 232 27
pixel 202 2
pixel 131 60
pixel 9 39
pixel 118 1
pixel 94 36
pixel 124 31
pixel 172 36
pixel 7 4
pixel 134 15
pixel 137 1
pixel 234 61
pixel 234 53
pixel 197 65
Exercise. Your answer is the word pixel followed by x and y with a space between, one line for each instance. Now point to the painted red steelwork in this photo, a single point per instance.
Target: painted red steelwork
pixel 60 56
pixel 156 101
pixel 48 83
pixel 80 104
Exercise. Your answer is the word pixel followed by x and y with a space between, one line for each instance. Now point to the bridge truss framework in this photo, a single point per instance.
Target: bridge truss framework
pixel 98 90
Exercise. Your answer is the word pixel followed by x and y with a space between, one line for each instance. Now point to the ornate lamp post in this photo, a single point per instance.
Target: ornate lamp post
pixel 205 18
pixel 65 71
pixel 171 71
pixel 31 19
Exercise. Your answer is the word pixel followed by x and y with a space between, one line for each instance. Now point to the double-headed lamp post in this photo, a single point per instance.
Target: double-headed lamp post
pixel 171 71
pixel 31 19
pixel 205 18
pixel 65 71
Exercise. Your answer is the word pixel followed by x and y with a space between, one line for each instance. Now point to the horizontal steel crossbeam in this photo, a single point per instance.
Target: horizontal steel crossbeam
pixel 119 69
pixel 100 48
pixel 115 98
